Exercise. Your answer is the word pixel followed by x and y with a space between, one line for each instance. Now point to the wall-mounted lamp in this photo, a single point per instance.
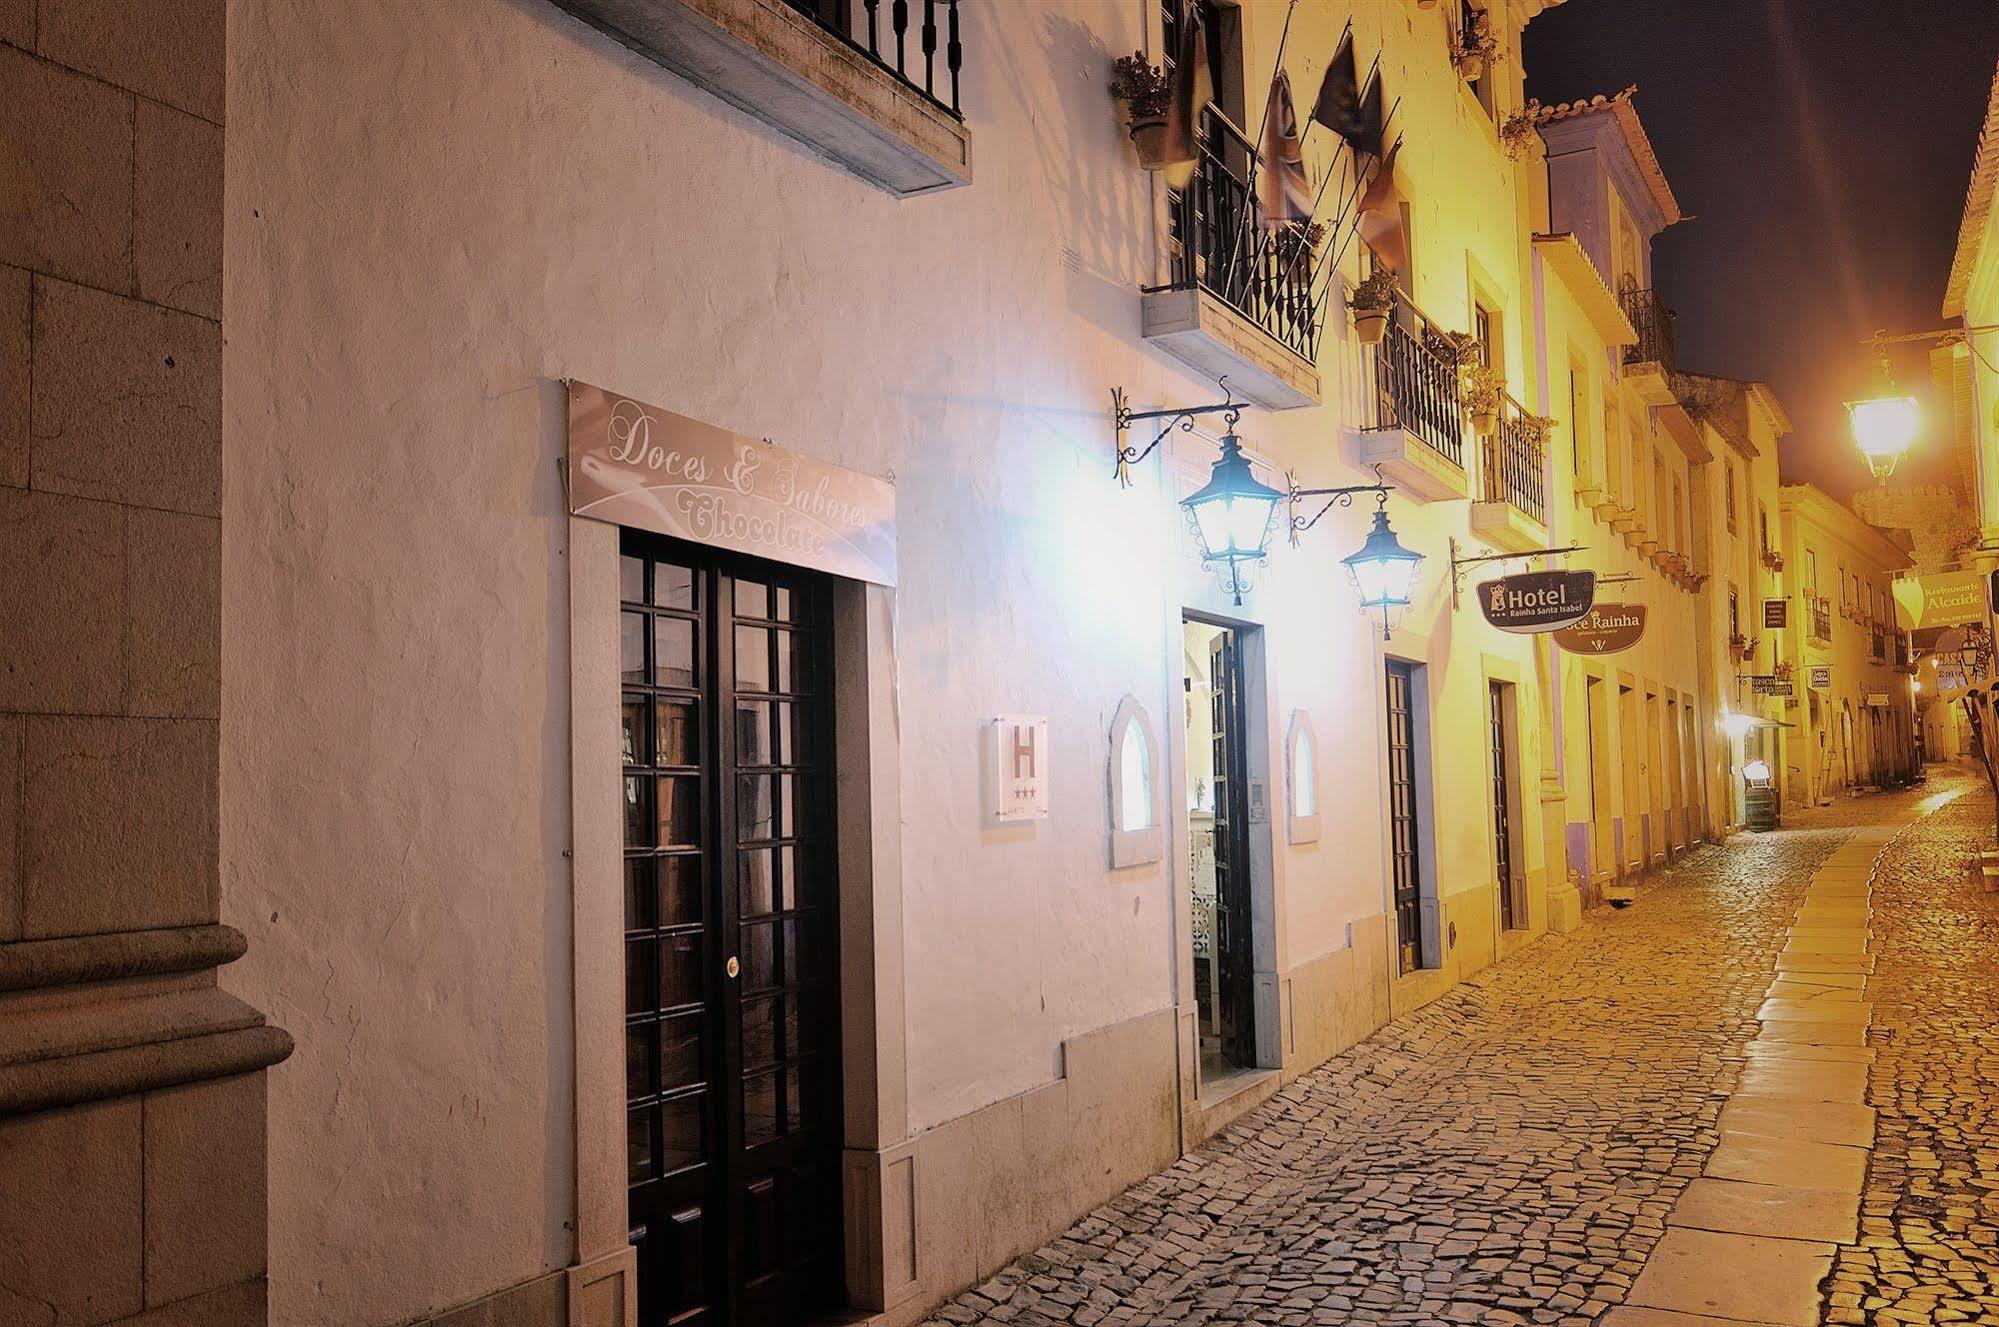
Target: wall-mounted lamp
pixel 1884 428
pixel 1384 572
pixel 1231 514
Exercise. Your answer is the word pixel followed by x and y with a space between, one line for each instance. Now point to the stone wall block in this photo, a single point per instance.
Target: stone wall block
pixel 70 1181
pixel 177 223
pixel 61 603
pixel 15 293
pixel 65 173
pixel 205 1165
pixel 11 726
pixel 173 606
pixel 169 50
pixel 120 825
pixel 17 23
pixel 127 401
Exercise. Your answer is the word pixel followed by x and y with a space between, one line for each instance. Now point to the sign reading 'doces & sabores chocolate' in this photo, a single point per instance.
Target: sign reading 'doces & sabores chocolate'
pixel 637 465
pixel 1534 601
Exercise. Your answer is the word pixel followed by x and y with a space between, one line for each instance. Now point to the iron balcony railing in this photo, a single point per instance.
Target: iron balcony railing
pixel 1821 610
pixel 1878 643
pixel 1654 323
pixel 1416 386
pixel 1513 462
pixel 1221 245
pixel 902 38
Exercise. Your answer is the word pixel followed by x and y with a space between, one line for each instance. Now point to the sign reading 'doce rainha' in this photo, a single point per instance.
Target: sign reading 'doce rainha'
pixel 1607 629
pixel 638 465
pixel 1536 601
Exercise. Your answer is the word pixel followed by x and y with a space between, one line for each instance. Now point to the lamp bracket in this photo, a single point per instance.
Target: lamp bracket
pixel 1335 497
pixel 1181 417
pixel 1461 566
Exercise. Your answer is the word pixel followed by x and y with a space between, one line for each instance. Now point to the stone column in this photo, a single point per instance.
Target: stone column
pixel 132 1175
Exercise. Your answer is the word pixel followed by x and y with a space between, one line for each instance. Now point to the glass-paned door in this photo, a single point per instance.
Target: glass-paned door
pixel 1502 803
pixel 1405 864
pixel 731 961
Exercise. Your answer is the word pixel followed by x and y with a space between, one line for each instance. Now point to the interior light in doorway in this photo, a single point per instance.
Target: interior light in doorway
pixel 1232 515
pixel 1384 572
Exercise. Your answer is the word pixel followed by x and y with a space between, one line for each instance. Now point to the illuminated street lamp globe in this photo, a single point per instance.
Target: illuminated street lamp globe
pixel 1884 427
pixel 1232 514
pixel 1384 572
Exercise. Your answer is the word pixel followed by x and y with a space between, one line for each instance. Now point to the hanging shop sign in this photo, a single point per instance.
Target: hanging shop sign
pixel 1765 684
pixel 1947 599
pixel 637 465
pixel 1821 677
pixel 1776 614
pixel 1538 601
pixel 1605 629
pixel 1877 700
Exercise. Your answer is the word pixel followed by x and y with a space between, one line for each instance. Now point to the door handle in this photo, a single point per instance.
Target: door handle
pixel 733 966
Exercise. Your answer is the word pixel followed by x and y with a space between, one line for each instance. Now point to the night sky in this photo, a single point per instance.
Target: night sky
pixel 1824 147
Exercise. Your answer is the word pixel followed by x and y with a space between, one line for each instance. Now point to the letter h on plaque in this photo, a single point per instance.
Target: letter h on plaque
pixel 1017 767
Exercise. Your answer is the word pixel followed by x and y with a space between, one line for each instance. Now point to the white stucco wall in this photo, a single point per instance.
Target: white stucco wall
pixel 435 213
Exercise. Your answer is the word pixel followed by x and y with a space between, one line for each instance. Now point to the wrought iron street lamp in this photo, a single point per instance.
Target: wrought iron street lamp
pixel 1384 572
pixel 1232 515
pixel 1884 428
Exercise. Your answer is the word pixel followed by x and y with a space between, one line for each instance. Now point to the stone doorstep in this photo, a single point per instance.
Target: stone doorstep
pixel 1798 1052
pixel 1813 1034
pixel 1812 991
pixel 1818 1011
pixel 1743 1277
pixel 1789 1162
pixel 1773 1210
pixel 1843 981
pixel 1840 1123
pixel 1825 962
pixel 1856 943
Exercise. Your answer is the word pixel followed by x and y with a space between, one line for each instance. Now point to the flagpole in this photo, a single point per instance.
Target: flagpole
pixel 1264 241
pixel 1353 198
pixel 1325 296
pixel 1345 244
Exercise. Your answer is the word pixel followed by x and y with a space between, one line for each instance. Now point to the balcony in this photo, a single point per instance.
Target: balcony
pixel 1649 361
pixel 1417 435
pixel 1512 512
pixel 1240 299
pixel 871 86
pixel 1819 619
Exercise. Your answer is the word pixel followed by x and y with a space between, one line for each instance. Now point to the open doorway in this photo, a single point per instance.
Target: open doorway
pixel 1217 801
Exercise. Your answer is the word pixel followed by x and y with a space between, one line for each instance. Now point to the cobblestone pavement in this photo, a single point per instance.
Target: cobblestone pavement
pixel 1506 1155
pixel 1929 1224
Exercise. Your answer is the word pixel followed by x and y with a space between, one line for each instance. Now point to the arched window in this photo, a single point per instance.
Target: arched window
pixel 1301 761
pixel 1132 776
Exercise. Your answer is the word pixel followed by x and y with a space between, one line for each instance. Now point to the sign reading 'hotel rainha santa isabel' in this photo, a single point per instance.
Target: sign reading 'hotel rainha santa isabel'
pixel 1537 601
pixel 637 465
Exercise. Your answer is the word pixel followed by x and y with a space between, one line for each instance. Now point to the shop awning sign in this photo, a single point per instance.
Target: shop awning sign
pixel 1605 629
pixel 1538 601
pixel 638 465
pixel 1946 599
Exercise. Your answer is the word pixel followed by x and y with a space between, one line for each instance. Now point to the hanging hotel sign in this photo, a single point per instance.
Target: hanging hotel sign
pixel 1537 601
pixel 1947 599
pixel 638 465
pixel 1606 629
pixel 1776 614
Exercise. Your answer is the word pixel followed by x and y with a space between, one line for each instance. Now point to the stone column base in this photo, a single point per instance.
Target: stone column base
pixel 1565 908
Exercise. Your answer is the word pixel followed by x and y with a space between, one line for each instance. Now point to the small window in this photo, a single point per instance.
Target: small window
pixel 1301 759
pixel 1132 775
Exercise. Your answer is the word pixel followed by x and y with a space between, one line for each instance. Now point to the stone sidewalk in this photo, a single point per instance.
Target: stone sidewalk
pixel 1545 1143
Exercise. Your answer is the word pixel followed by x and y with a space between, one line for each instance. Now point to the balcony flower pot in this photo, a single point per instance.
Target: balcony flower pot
pixel 1148 135
pixel 1482 388
pixel 1146 92
pixel 1372 302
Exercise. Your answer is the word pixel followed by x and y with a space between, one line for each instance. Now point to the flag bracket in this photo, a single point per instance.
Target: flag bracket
pixel 1180 417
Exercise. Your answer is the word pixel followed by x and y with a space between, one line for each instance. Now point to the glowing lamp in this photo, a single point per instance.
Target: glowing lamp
pixel 1232 514
pixel 1884 427
pixel 1736 725
pixel 1384 572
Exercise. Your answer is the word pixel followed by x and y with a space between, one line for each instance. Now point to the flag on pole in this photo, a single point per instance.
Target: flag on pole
pixel 1372 127
pixel 1193 89
pixel 1338 106
pixel 1283 189
pixel 1380 216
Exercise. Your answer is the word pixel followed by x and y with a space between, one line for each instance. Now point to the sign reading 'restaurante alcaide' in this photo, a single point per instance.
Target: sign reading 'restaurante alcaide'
pixel 637 465
pixel 1535 601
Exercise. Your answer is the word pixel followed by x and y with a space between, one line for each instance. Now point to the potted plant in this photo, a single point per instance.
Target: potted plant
pixel 1296 244
pixel 1146 93
pixel 1456 349
pixel 1517 134
pixel 1483 387
pixel 1476 48
pixel 1372 303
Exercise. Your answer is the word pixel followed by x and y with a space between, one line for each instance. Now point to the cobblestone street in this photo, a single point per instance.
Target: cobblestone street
pixel 1512 1153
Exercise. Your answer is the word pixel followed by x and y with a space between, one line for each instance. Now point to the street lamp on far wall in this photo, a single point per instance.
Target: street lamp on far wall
pixel 1884 428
